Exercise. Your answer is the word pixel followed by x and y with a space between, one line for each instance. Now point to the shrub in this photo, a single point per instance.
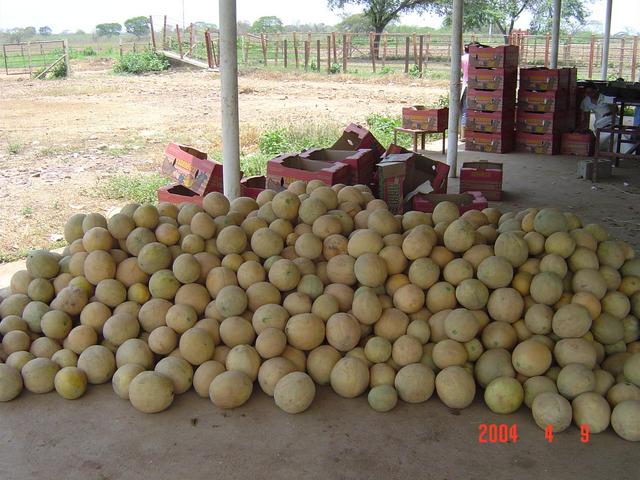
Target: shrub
pixel 141 62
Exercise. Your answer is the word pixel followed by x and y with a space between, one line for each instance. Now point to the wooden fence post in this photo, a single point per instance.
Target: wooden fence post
pixel 65 51
pixel 164 33
pixel 420 55
pixel 384 48
pixel 284 53
pixel 190 38
pixel 328 53
pixel 546 51
pixel 246 41
pixel 318 56
pixel 415 48
pixel 335 54
pixel 307 48
pixel 426 53
pixel 179 40
pixel 153 33
pixel 295 48
pixel 406 55
pixel 263 43
pixel 592 48
pixel 277 47
pixel 207 41
pixel 120 45
pixel 634 58
pixel 621 57
pixel 372 52
pixel 345 53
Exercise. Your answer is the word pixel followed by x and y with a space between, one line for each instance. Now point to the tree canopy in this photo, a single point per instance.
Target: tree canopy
pixel 44 31
pixel 108 29
pixel 356 23
pixel 269 24
pixel 382 12
pixel 139 26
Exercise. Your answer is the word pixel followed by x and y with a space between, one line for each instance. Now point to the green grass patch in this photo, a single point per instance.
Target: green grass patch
pixel 14 148
pixel 382 127
pixel 141 62
pixel 297 137
pixel 139 188
pixel 7 256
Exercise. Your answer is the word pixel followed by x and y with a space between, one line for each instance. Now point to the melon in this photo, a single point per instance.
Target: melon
pixel 550 220
pixel 294 392
pixel 349 377
pixel 592 410
pixel 178 371
pixel 38 375
pixel 625 420
pixel 534 386
pixel 70 383
pixel 151 392
pixel 459 236
pixel 123 377
pixel 575 379
pixel 495 272
pixel 415 383
pixel 551 409
pixel 531 358
pixel 513 247
pixel 305 331
pixel 98 363
pixel 455 387
pixel 10 383
pixel 382 398
pixel 504 395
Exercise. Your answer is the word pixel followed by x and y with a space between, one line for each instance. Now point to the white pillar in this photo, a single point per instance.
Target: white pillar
pixel 605 40
pixel 555 33
pixel 229 98
pixel 454 89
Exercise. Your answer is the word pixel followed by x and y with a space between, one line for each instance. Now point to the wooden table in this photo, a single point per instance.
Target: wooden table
pixel 633 138
pixel 415 134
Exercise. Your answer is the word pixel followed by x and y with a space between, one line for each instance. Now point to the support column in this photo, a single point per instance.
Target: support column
pixel 605 40
pixel 229 99
pixel 454 90
pixel 555 33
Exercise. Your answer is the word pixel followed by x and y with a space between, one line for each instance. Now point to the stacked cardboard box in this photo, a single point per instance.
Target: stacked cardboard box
pixel 546 108
pixel 491 98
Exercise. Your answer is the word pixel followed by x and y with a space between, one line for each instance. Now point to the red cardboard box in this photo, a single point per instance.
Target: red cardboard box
pixel 285 169
pixel 482 176
pixel 190 167
pixel 419 169
pixel 465 201
pixel 544 79
pixel 505 56
pixel 391 177
pixel 578 143
pixel 252 186
pixel 552 122
pixel 362 162
pixel 489 122
pixel 355 137
pixel 543 102
pixel 492 78
pixel 501 142
pixel 491 101
pixel 545 144
pixel 176 193
pixel 419 118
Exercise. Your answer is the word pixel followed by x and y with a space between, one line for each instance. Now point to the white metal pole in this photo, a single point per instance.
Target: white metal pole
pixel 555 33
pixel 229 99
pixel 605 40
pixel 454 89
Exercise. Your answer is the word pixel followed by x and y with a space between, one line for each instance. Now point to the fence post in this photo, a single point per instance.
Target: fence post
pixel 318 55
pixel 415 48
pixel 634 58
pixel 246 40
pixel 295 48
pixel 335 54
pixel 344 53
pixel 65 50
pixel 164 33
pixel 372 52
pixel 190 38
pixel 567 58
pixel 277 47
pixel 134 47
pixel 420 55
pixel 307 48
pixel 621 57
pixel 328 53
pixel 426 53
pixel 120 45
pixel 153 33
pixel 592 48
pixel 207 41
pixel 284 53
pixel 263 43
pixel 546 51
pixel 179 40
pixel 384 48
pixel 406 55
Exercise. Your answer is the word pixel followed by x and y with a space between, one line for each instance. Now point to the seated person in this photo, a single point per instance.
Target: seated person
pixel 603 109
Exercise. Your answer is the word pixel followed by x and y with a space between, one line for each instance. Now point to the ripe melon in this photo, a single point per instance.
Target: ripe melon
pixel 495 272
pixel 589 280
pixel 409 298
pixel 492 364
pixel 575 379
pixel 505 305
pixel 572 320
pixel 349 377
pixel 513 247
pixel 550 220
pixel 294 392
pixel 551 409
pixel 531 358
pixel 151 392
pixel 445 212
pixel 98 363
pixel 70 383
pixel 592 410
pixel 546 288
pixel 534 386
pixel 415 383
pixel 504 395
pixel 120 327
pixel 284 275
pixel 625 420
pixel 455 387
pixel 392 324
pixel 305 331
pixel 461 325
pixel 10 383
pixel 459 236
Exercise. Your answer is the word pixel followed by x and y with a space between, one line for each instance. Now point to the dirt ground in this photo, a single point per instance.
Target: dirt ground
pixel 71 135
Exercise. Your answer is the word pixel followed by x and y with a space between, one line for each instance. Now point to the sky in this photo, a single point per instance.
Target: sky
pixel 85 14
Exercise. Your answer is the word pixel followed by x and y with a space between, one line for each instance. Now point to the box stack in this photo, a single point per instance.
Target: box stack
pixel 546 108
pixel 491 98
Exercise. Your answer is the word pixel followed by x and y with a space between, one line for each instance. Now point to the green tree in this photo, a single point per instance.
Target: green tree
pixel 357 23
pixel 269 24
pixel 18 35
pixel 139 26
pixel 44 31
pixel 108 29
pixel 382 12
pixel 573 16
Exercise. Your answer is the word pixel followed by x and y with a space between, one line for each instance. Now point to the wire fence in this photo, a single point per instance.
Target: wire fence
pixel 414 54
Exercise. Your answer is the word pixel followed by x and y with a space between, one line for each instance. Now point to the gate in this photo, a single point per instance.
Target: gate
pixel 25 58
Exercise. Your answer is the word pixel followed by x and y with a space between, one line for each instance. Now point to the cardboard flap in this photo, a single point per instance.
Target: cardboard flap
pixel 189 167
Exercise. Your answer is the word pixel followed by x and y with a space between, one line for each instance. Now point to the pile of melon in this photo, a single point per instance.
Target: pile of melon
pixel 319 285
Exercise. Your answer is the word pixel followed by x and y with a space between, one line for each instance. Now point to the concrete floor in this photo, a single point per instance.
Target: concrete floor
pixel 103 437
